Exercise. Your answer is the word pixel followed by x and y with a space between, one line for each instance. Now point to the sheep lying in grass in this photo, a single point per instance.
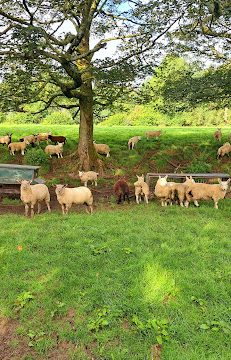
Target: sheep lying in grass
pixel 102 149
pixel 31 139
pixel 5 139
pixel 18 146
pixel 153 134
pixel 88 176
pixel 54 150
pixel 224 150
pixel 121 190
pixel 217 134
pixel 43 136
pixel 141 189
pixel 133 141
pixel 164 191
pixel 68 196
pixel 200 191
pixel 32 194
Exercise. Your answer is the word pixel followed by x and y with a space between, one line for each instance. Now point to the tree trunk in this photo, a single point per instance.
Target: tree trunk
pixel 86 151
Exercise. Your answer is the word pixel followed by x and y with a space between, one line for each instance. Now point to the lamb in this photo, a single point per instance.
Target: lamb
pixel 102 149
pixel 57 138
pixel 164 191
pixel 5 139
pixel 224 150
pixel 18 146
pixel 179 189
pixel 217 134
pixel 141 189
pixel 32 194
pixel 54 149
pixel 88 176
pixel 133 141
pixel 43 136
pixel 78 195
pixel 151 134
pixel 31 139
pixel 121 190
pixel 200 191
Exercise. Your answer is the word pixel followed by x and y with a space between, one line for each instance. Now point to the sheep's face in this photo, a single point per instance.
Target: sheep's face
pixel 60 144
pixel 224 184
pixel 140 179
pixel 25 184
pixel 162 180
pixel 189 180
pixel 81 173
pixel 60 189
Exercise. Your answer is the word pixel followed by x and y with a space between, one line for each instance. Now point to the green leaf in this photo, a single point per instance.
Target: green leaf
pixel 204 327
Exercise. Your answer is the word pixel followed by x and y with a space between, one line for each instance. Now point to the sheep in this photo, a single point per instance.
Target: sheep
pixel 121 190
pixel 133 141
pixel 18 146
pixel 179 189
pixel 57 138
pixel 31 139
pixel 5 139
pixel 54 149
pixel 88 176
pixel 164 190
pixel 151 134
pixel 78 195
pixel 217 134
pixel 200 191
pixel 141 189
pixel 102 149
pixel 32 194
pixel 224 150
pixel 43 136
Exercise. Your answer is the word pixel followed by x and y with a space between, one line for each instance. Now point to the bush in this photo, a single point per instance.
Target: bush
pixel 59 117
pixel 21 118
pixel 36 157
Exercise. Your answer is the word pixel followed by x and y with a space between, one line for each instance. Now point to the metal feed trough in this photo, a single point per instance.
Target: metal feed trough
pixel 10 174
pixel 181 176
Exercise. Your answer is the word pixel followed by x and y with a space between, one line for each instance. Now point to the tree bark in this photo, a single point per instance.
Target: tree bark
pixel 86 151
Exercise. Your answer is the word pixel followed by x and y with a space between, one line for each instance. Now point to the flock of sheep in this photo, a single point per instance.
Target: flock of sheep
pixel 166 192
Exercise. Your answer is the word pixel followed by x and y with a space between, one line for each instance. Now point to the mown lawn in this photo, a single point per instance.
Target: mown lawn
pixel 112 285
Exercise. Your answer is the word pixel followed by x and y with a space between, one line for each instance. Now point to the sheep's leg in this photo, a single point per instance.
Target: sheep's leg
pixel 146 199
pixel 22 152
pixel 215 204
pixel 50 156
pixel 196 203
pixel 61 155
pixel 26 209
pixel 128 198
pixel 95 182
pixel 32 210
pixel 48 206
pixel 68 206
pixel 108 155
pixel 89 209
pixel 39 207
pixel 63 209
pixel 181 204
pixel 85 183
pixel 162 203
pixel 137 199
pixel 119 199
pixel 58 155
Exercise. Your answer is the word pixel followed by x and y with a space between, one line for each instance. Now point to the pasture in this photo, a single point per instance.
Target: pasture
pixel 133 281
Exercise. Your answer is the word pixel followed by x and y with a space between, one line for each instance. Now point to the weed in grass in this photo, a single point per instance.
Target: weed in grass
pixel 9 201
pixel 23 299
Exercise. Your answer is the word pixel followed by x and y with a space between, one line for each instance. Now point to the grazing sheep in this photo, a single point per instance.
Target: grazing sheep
pixel 57 138
pixel 32 194
pixel 224 150
pixel 121 190
pixel 217 134
pixel 199 191
pixel 78 195
pixel 133 141
pixel 43 136
pixel 153 134
pixel 31 139
pixel 18 146
pixel 54 149
pixel 164 191
pixel 5 139
pixel 102 149
pixel 88 176
pixel 141 189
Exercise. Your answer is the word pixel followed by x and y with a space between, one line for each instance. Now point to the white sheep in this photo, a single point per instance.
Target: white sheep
pixel 102 149
pixel 78 195
pixel 18 146
pixel 180 189
pixel 54 149
pixel 164 191
pixel 88 176
pixel 43 136
pixel 31 139
pixel 200 191
pixel 133 141
pixel 224 150
pixel 5 139
pixel 32 194
pixel 141 189
pixel 151 134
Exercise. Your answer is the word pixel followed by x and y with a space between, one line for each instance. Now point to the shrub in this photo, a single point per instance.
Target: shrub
pixel 20 118
pixel 36 157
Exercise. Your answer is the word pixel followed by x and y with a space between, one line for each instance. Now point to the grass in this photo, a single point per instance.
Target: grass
pixel 112 285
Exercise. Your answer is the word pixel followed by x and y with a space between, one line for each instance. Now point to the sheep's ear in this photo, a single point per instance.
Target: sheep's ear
pixel 19 181
pixel 137 176
pixel 191 177
pixel 187 178
pixel 142 175
pixel 228 181
pixel 166 176
pixel 219 180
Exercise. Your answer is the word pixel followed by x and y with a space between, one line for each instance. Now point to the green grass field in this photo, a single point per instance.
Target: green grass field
pixel 113 285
